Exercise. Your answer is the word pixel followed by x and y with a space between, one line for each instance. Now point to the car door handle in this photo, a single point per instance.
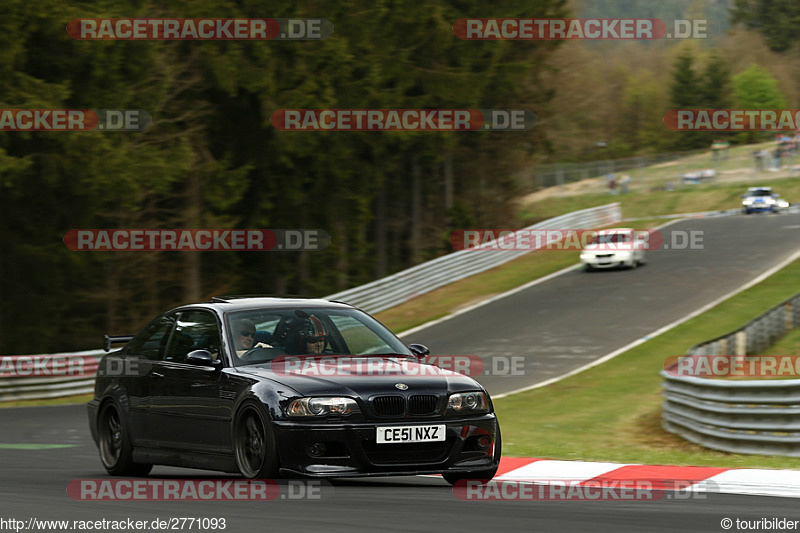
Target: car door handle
pixel 156 375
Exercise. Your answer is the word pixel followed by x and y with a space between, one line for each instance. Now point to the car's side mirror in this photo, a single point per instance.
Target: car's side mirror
pixel 201 358
pixel 420 351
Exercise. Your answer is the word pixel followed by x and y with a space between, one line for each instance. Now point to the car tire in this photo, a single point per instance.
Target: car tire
pixel 114 443
pixel 254 444
pixel 588 268
pixel 483 475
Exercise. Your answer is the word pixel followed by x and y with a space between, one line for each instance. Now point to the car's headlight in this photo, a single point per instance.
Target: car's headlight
pixel 467 403
pixel 747 201
pixel 322 407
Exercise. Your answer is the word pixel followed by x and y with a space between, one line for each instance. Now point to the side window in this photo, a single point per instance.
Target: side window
pixel 150 342
pixel 195 330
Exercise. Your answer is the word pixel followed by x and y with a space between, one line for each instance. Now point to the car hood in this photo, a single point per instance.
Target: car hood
pixel 760 199
pixel 360 376
pixel 607 248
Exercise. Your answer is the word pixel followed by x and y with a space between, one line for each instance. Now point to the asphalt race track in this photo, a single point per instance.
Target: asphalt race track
pixel 575 318
pixel 35 481
pixel 558 325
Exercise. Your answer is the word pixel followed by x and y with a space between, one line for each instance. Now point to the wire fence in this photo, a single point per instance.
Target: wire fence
pixel 664 171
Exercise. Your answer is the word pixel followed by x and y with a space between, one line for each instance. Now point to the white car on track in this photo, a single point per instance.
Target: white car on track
pixel 762 199
pixel 618 247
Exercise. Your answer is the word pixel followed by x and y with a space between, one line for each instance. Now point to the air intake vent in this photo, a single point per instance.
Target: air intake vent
pixel 423 404
pixel 389 405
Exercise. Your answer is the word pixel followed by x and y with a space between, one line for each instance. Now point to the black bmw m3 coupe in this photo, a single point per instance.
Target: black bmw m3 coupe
pixel 269 387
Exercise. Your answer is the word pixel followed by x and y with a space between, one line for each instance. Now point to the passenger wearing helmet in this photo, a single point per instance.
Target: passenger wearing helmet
pixel 313 335
pixel 306 335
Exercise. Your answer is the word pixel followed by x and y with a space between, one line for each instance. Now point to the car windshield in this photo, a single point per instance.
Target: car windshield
pixel 760 193
pixel 610 237
pixel 260 335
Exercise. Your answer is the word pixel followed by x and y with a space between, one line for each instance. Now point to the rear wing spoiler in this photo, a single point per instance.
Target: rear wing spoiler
pixel 108 340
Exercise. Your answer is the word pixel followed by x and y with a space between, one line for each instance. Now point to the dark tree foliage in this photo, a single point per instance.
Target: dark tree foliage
pixel 212 159
pixel 777 20
pixel 690 90
pixel 715 87
pixel 686 93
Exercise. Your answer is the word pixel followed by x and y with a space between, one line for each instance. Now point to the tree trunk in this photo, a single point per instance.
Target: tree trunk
pixel 448 183
pixel 192 289
pixel 343 256
pixel 380 232
pixel 416 209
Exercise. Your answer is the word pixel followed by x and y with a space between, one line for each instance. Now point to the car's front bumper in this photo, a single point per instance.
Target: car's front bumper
pixel 605 260
pixel 760 208
pixel 352 450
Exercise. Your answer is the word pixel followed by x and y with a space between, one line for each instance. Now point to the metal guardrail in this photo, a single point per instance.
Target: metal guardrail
pixel 757 335
pixel 747 416
pixel 415 281
pixel 34 377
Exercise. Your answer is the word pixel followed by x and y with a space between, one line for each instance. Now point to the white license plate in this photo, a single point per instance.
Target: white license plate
pixel 397 434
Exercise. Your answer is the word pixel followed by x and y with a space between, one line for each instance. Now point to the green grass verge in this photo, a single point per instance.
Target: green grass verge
pixel 612 412
pixel 789 344
pixel 64 400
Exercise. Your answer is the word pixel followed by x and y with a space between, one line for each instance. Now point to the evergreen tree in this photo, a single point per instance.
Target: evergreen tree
pixel 686 93
pixel 716 84
pixel 777 20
